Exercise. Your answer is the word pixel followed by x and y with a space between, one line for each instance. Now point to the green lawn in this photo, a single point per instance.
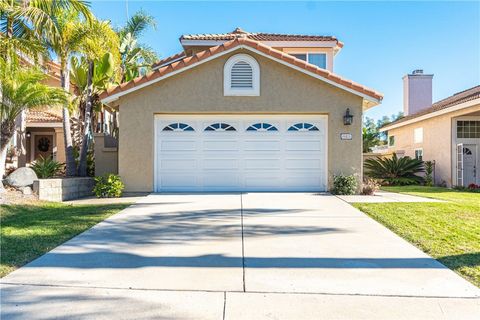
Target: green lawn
pixel 28 231
pixel 449 232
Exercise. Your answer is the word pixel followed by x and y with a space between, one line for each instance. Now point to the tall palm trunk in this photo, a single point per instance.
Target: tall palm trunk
pixel 67 132
pixel 7 132
pixel 82 167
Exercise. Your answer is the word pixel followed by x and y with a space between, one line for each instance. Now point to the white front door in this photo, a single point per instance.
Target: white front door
pixel 469 164
pixel 240 153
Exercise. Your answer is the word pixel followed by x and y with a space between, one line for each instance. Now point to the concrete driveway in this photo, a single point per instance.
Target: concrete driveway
pixel 238 256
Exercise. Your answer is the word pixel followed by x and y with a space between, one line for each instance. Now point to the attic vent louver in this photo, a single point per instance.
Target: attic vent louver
pixel 241 76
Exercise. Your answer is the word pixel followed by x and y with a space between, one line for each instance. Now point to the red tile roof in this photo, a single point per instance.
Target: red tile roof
pixel 456 99
pixel 187 61
pixel 40 116
pixel 165 61
pixel 239 33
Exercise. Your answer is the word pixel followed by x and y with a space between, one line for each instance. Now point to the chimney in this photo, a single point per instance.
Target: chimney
pixel 417 92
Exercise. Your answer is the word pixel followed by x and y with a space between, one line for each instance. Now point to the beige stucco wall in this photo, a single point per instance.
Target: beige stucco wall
pixel 106 158
pixel 437 142
pixel 200 90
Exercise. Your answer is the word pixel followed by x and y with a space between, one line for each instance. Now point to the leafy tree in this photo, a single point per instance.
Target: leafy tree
pixel 395 171
pixel 21 89
pixel 371 135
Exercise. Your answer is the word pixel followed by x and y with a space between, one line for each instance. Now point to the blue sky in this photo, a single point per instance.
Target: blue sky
pixel 383 40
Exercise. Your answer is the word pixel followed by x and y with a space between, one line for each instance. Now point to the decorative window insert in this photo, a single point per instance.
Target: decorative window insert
pixel 241 75
pixel 178 127
pixel 419 154
pixel 262 127
pixel 303 127
pixel 220 127
pixel 468 129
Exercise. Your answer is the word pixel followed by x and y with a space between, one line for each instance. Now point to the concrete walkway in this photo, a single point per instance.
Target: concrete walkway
pixel 384 196
pixel 232 256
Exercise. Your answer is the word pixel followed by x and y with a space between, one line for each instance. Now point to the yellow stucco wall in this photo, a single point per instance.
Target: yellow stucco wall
pixel 200 90
pixel 437 142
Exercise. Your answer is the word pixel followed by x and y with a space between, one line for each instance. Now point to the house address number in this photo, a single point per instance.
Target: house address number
pixel 346 136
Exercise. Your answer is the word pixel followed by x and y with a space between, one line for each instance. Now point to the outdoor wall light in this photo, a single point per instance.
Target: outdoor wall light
pixel 29 134
pixel 347 118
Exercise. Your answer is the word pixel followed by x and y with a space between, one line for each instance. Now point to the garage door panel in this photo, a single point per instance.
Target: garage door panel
pixel 178 164
pixel 241 160
pixel 219 164
pixel 178 145
pixel 265 164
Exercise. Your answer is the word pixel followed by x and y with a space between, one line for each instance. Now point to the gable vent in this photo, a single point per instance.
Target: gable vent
pixel 241 76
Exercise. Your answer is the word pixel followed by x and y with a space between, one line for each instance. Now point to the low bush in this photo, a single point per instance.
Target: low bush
pixel 395 171
pixel 108 186
pixel 370 186
pixel 472 187
pixel 344 185
pixel 47 167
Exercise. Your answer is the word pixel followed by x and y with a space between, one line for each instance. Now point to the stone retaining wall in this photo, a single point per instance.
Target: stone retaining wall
pixel 63 189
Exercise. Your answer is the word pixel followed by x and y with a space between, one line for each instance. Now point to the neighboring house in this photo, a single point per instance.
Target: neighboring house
pixel 39 131
pixel 447 131
pixel 241 112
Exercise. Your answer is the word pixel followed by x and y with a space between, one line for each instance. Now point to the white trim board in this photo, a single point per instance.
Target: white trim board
pixel 312 74
pixel 461 106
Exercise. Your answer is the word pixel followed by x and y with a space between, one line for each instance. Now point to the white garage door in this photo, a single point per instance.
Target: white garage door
pixel 240 153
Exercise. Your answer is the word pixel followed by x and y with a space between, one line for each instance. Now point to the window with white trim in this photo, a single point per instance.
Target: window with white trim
pixel 391 141
pixel 318 59
pixel 419 154
pixel 468 129
pixel 418 135
pixel 241 76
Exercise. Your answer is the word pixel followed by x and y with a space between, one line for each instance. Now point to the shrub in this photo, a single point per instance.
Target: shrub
pixel 472 187
pixel 395 171
pixel 47 167
pixel 108 186
pixel 344 185
pixel 369 186
pixel 429 165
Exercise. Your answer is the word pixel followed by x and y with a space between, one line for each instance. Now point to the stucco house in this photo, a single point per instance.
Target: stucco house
pixel 40 131
pixel 447 131
pixel 241 112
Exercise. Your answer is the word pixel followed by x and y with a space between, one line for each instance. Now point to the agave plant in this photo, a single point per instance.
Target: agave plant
pixel 395 171
pixel 47 167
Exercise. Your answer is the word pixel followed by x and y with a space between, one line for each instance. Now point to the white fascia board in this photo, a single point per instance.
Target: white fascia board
pixel 312 74
pixel 433 114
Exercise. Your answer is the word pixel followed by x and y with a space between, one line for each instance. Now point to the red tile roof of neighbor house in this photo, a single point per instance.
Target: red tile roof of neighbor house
pixel 456 99
pixel 41 116
pixel 259 36
pixel 285 57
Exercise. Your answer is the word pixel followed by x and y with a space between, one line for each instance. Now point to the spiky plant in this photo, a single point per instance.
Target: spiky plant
pixel 395 170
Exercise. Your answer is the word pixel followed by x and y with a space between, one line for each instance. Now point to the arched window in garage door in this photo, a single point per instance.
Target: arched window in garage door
pixel 220 127
pixel 262 127
pixel 178 127
pixel 303 127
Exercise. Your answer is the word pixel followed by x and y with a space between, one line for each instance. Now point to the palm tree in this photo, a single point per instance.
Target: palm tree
pixel 55 22
pixel 137 58
pixel 395 170
pixel 99 64
pixel 64 40
pixel 21 89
